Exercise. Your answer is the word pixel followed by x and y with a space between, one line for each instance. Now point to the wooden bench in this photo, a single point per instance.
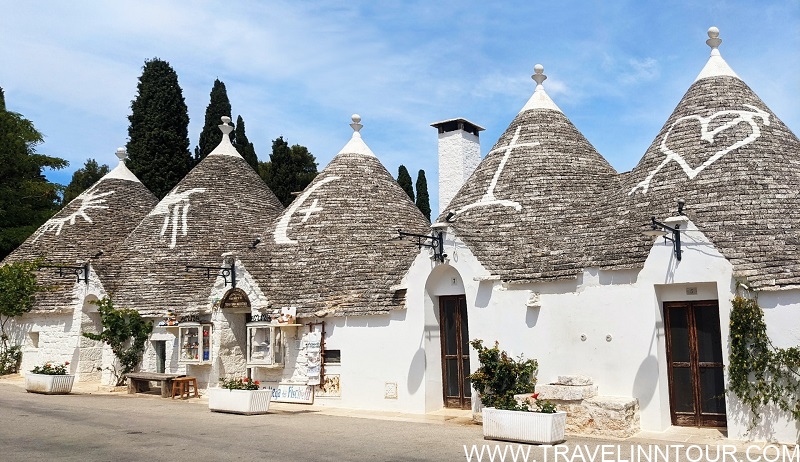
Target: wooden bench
pixel 140 382
pixel 183 387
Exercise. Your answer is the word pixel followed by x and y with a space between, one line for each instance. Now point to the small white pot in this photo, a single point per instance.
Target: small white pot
pixel 524 427
pixel 239 401
pixel 49 384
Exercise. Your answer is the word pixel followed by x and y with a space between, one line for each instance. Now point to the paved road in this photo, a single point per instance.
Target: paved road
pixel 102 427
pixel 120 427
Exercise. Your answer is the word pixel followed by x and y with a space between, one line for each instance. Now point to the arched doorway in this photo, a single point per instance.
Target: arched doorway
pixel 448 337
pixel 454 332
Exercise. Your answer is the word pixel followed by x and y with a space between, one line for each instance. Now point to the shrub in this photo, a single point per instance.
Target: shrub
pixel 500 377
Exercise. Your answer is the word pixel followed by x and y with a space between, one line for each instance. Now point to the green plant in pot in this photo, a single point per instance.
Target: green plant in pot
pixel 501 376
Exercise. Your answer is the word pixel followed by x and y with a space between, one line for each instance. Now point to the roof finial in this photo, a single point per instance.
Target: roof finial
pixel 226 126
pixel 356 145
pixel 713 40
pixel 356 123
pixel 538 75
pixel 122 154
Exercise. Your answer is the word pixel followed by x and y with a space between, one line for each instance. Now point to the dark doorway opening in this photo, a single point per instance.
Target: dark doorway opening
pixel 454 331
pixel 694 358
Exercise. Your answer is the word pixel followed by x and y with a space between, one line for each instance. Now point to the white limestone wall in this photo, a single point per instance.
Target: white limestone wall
pixel 45 337
pixel 606 325
pixel 56 336
pixel 459 156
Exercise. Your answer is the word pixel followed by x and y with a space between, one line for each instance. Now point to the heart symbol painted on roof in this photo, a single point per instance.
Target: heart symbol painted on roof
pixel 730 119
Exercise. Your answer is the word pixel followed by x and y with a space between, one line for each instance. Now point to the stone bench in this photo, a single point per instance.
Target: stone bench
pixel 140 382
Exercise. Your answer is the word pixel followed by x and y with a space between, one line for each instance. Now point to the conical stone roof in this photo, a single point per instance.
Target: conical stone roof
pixel 217 208
pixel 531 208
pixel 736 165
pixel 331 250
pixel 97 220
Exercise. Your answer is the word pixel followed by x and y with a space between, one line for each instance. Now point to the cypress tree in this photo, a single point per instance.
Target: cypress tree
pixel 158 146
pixel 290 169
pixel 404 180
pixel 423 201
pixel 27 199
pixel 243 145
pixel 218 107
pixel 82 179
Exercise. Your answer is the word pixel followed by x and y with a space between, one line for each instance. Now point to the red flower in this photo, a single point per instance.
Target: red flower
pixel 535 396
pixel 66 363
pixel 245 380
pixel 257 382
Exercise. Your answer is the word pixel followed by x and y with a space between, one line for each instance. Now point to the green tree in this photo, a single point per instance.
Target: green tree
pixel 423 201
pixel 27 199
pixel 218 107
pixel 243 145
pixel 158 146
pixel 18 288
pixel 288 170
pixel 404 180
pixel 82 179
pixel 125 331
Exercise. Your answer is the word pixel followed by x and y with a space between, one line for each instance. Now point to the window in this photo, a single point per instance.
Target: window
pixel 265 345
pixel 333 356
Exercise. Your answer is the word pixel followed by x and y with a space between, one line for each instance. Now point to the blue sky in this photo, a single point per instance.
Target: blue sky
pixel 299 69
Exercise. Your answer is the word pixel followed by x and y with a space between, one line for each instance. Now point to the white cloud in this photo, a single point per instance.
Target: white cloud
pixel 640 71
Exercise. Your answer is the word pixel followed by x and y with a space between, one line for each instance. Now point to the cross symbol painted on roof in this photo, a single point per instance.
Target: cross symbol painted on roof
pixel 309 210
pixel 489 198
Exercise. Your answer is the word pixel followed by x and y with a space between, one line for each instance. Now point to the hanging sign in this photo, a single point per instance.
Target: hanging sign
pixel 236 300
pixel 313 357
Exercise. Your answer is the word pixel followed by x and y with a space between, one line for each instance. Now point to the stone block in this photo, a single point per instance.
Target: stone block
pixel 566 392
pixel 613 416
pixel 574 380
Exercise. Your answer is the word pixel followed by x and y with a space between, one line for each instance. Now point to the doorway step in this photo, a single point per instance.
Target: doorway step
pixel 587 412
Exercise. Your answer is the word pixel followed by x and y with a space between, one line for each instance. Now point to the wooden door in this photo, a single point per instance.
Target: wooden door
pixel 694 358
pixel 454 332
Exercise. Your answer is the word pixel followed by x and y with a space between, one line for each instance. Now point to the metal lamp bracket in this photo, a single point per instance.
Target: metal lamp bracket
pixel 218 271
pixel 435 241
pixel 81 272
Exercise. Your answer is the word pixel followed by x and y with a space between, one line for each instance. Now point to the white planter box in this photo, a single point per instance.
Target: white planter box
pixel 49 384
pixel 239 401
pixel 524 427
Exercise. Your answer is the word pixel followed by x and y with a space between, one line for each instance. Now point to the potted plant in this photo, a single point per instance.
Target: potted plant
pixel 498 379
pixel 50 379
pixel 239 396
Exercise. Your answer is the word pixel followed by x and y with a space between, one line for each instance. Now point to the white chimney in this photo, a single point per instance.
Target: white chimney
pixel 459 156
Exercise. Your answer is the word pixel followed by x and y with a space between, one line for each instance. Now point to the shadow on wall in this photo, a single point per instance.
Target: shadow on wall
pixel 532 316
pixel 741 416
pixel 646 381
pixel 484 294
pixel 416 371
pixel 370 320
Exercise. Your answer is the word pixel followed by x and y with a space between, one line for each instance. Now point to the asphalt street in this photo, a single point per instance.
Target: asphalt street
pixel 119 427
